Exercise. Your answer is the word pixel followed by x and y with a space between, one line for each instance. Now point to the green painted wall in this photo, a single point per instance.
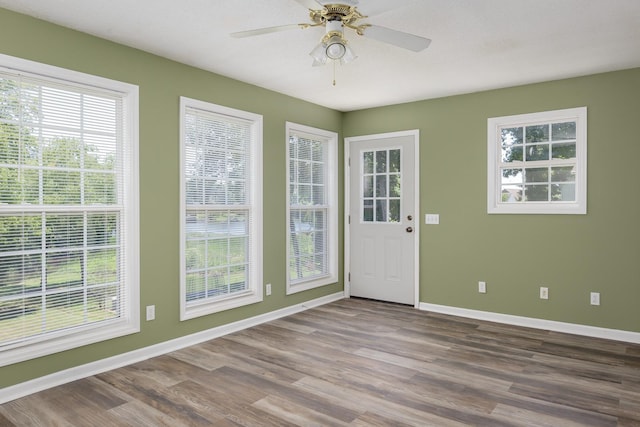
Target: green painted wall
pixel 515 254
pixel 161 84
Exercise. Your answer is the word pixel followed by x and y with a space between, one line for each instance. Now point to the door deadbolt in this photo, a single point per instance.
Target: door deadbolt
pixel 409 217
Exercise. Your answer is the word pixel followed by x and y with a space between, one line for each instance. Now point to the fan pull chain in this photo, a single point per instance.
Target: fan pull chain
pixel 334 72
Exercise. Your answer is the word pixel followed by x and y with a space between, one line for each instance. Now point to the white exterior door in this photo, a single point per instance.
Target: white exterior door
pixel 382 217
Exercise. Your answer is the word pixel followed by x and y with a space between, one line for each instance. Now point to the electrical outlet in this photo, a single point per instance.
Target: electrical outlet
pixel 544 292
pixel 482 287
pixel 267 289
pixel 151 312
pixel 595 298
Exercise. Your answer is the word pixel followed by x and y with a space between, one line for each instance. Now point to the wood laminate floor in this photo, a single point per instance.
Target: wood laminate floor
pixel 359 363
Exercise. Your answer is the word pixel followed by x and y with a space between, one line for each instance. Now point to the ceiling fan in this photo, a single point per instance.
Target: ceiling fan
pixel 335 15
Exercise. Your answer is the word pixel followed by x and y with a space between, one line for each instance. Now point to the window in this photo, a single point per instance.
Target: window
pixel 68 209
pixel 221 214
pixel 537 163
pixel 380 190
pixel 312 213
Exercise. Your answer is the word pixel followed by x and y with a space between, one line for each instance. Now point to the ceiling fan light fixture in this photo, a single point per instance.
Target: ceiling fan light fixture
pixel 349 55
pixel 332 46
pixel 338 51
pixel 336 47
pixel 319 54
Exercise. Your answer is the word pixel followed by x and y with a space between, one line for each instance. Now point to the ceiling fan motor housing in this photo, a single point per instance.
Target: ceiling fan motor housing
pixel 347 14
pixel 337 9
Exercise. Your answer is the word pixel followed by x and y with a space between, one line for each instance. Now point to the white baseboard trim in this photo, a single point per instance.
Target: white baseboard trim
pixel 530 322
pixel 10 393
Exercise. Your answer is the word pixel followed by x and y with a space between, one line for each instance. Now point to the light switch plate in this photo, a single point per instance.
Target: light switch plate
pixel 432 218
pixel 482 287
pixel 151 312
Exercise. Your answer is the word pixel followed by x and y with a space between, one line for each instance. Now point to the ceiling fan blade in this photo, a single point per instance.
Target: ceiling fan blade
pixel 310 4
pixel 260 31
pixel 397 38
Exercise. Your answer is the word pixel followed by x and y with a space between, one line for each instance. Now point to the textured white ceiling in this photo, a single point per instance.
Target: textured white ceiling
pixel 477 44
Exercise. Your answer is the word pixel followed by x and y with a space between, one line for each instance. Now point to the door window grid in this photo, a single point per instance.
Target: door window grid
pixel 381 186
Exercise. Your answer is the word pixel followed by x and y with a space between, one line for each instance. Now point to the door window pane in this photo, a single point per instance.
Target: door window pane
pixel 367 162
pixel 394 210
pixel 394 186
pixel 381 161
pixel 367 210
pixel 381 211
pixel 394 160
pixel 367 190
pixel 381 186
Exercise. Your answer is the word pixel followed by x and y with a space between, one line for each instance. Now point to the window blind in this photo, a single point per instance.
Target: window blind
pixel 218 182
pixel 63 232
pixel 308 208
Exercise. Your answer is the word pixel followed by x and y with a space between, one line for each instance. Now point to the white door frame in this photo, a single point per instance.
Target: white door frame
pixel 347 206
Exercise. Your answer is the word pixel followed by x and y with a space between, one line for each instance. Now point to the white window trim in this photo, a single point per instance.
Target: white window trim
pixel 255 293
pixel 130 321
pixel 332 201
pixel 494 204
